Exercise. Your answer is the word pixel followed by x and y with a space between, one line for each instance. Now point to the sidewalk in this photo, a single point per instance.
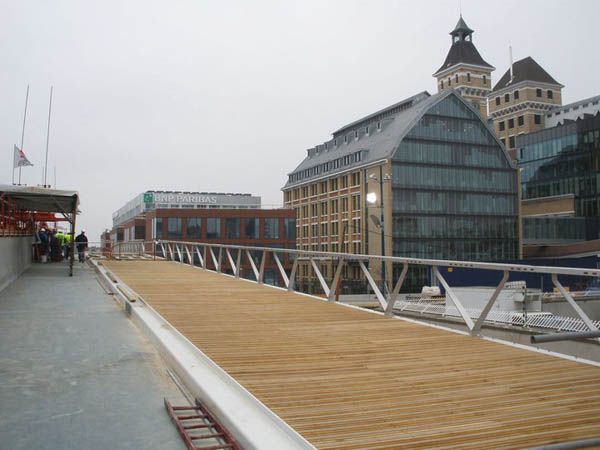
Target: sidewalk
pixel 74 372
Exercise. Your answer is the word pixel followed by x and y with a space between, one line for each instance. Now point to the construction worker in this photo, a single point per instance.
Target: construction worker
pixel 67 245
pixel 81 241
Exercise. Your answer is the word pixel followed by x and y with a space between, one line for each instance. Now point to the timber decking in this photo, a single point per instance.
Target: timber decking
pixel 345 378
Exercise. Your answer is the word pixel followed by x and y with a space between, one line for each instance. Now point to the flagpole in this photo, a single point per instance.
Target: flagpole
pixel 48 138
pixel 22 134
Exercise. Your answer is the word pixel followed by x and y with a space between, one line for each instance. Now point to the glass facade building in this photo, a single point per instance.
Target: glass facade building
pixel 562 160
pixel 454 189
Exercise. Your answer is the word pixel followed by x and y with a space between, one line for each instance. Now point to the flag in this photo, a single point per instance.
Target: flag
pixel 20 160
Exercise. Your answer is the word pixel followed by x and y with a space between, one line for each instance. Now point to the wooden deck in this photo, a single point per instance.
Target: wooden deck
pixel 345 378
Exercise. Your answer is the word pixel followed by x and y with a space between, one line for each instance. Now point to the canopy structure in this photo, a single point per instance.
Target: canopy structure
pixel 42 199
pixel 45 200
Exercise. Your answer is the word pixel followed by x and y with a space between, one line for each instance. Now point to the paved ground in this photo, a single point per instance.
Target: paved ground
pixel 75 373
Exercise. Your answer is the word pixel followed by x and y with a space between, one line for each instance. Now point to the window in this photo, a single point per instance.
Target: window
pixel 333 184
pixel 232 228
pixel 511 142
pixel 538 92
pixel 289 226
pixel 345 139
pixel 324 229
pixel 511 123
pixel 323 187
pixel 497 101
pixel 251 228
pixel 334 228
pixel 194 228
pixel 367 129
pixel 550 94
pixel 506 98
pixel 355 202
pixel 449 81
pixel 323 208
pixel 355 178
pixel 344 179
pixel 213 228
pixel 174 228
pixel 537 119
pixel 344 204
pixel 521 121
pixel 158 228
pixel 484 80
pixel 379 121
pixel 271 228
pixel 356 134
pixel 334 206
pixel 468 77
pixel 503 140
pixel 442 84
pixel 313 210
pixel 501 126
pixel 516 95
pixel 456 78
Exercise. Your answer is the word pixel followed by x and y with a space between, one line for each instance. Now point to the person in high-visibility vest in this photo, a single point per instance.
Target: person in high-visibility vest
pixel 67 245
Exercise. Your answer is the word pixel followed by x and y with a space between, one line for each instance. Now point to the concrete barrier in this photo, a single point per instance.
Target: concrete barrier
pixel 15 257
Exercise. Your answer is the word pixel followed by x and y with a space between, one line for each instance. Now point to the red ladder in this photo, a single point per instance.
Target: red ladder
pixel 192 419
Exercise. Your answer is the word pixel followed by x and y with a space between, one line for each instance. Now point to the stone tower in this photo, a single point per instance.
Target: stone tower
pixel 465 70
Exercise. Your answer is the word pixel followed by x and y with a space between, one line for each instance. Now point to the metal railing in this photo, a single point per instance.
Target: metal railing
pixel 221 258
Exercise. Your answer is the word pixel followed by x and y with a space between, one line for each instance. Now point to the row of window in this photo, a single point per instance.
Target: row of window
pixel 323 187
pixel 451 227
pixel 468 77
pixel 537 119
pixel 538 93
pixel 445 178
pixel 552 229
pixel 328 207
pixel 331 229
pixel 335 164
pixel 560 145
pixel 450 153
pixel 448 202
pixel 457 249
pixel 450 129
pixel 172 228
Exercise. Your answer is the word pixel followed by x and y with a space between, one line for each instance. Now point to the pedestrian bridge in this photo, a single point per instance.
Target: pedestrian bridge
pixel 341 377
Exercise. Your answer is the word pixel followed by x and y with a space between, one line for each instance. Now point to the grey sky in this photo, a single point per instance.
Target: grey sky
pixel 228 95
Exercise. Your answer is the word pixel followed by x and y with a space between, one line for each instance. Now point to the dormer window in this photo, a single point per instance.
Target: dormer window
pixel 456 78
pixel 484 80
pixel 367 129
pixel 345 139
pixel 379 125
pixel 449 81
pixel 442 84
pixel 356 134
pixel 468 77
pixel 335 142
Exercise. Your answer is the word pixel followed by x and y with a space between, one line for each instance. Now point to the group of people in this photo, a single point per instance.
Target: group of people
pixel 56 245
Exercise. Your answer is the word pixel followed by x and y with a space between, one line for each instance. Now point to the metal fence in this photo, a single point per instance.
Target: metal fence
pixel 230 259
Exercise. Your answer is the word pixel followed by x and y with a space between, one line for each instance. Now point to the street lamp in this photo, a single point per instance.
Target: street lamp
pixel 372 199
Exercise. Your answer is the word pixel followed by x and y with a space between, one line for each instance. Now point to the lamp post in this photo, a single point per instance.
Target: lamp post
pixel 372 199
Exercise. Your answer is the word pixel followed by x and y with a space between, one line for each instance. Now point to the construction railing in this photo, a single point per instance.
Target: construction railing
pixel 232 258
pixel 13 221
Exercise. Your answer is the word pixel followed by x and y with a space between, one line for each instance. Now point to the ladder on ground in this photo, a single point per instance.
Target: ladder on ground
pixel 199 429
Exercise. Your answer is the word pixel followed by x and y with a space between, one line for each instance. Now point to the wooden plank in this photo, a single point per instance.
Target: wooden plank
pixel 345 378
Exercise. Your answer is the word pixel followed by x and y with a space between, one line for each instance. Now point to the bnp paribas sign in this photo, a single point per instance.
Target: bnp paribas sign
pixel 153 197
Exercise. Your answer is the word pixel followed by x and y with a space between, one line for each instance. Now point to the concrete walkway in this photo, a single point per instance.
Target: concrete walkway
pixel 74 372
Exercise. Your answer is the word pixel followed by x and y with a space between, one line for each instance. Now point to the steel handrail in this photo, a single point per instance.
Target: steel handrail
pixel 182 250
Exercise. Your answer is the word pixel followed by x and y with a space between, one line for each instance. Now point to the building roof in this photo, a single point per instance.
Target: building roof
pixel 526 69
pixel 377 145
pixel 462 51
pixel 461 26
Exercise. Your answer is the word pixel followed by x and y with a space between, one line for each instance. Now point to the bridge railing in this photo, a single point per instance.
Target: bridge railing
pixel 222 258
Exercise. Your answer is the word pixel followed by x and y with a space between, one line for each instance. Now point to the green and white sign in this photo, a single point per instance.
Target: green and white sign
pixel 148 197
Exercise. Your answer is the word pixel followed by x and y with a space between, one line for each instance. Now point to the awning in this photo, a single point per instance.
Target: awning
pixel 42 199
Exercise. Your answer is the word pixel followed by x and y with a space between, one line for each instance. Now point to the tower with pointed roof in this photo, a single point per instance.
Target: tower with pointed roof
pixel 465 70
pixel 521 99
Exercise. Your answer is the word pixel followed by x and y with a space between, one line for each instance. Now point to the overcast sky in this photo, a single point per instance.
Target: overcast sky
pixel 227 95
